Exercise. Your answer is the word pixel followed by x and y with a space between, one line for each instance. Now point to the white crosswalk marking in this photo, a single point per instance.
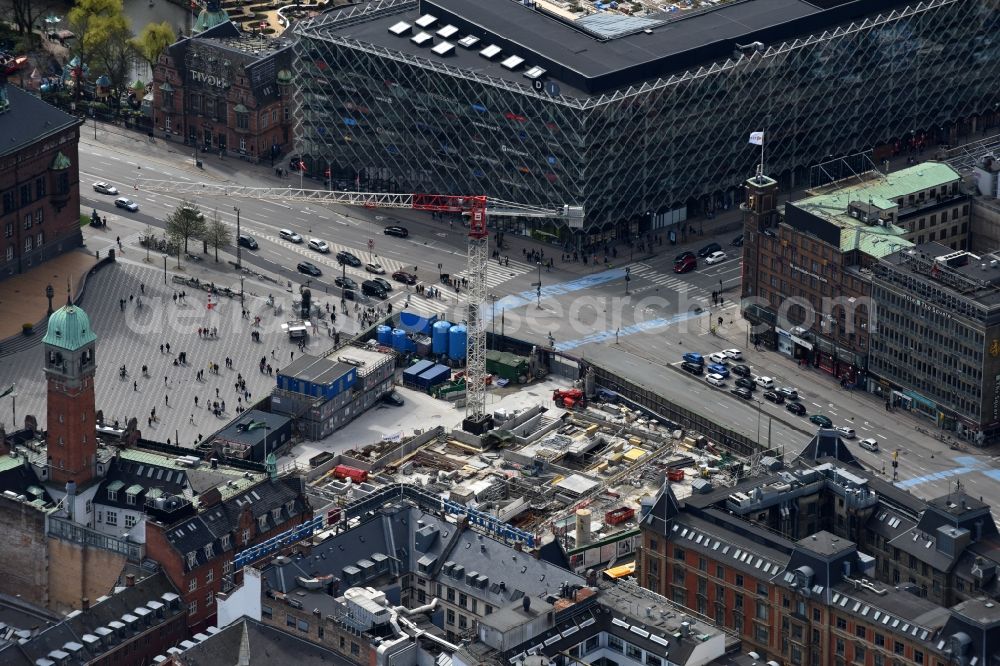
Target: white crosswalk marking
pixel 496 274
pixel 330 259
pixel 646 272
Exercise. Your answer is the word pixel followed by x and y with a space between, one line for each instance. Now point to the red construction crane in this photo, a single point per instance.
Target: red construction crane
pixel 475 207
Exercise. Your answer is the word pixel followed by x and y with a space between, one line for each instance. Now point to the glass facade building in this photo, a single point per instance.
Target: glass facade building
pixel 640 133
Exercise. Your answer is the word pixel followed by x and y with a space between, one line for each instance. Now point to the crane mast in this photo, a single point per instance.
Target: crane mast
pixel 476 419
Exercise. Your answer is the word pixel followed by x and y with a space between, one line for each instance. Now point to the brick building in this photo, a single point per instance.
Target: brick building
pixel 196 544
pixel 226 91
pixel 807 279
pixel 826 564
pixel 39 181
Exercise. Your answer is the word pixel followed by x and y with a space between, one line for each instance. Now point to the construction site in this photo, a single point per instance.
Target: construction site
pixel 573 474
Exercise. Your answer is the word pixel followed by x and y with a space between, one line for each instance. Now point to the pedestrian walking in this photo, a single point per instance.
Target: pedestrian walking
pixel 161 349
pixel 164 380
pixel 168 347
pixel 166 400
pixel 196 401
pixel 135 386
pixel 142 288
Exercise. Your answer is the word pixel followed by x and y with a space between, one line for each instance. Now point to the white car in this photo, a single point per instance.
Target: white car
pixel 715 258
pixel 105 188
pixel 127 204
pixel 845 432
pixel 290 235
pixel 715 379
pixel 764 382
pixel 734 354
pixel 718 357
pixel 319 245
pixel 869 444
pixel 375 268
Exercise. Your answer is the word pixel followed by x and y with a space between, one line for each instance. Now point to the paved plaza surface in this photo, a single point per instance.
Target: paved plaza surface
pixel 132 337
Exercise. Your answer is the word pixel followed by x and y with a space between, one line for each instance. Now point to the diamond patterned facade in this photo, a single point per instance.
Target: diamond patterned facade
pixel 386 113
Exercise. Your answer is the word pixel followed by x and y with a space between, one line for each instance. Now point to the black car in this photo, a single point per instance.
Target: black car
pixel 344 257
pixel 774 397
pixel 404 277
pixel 393 398
pixel 737 242
pixel 741 392
pixel 740 370
pixel 746 382
pixel 248 241
pixel 682 256
pixel 373 288
pixel 346 282
pixel 709 249
pixel 309 268
pixel 796 408
pixel 351 295
pixel 397 231
pixel 693 368
pixel 382 281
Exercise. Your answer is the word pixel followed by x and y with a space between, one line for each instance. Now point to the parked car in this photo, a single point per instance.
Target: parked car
pixel 686 265
pixel 737 242
pixel 741 370
pixel 821 421
pixel 845 432
pixel 869 444
pixel 741 392
pixel 796 408
pixel 746 383
pixel 718 357
pixel 715 258
pixel 309 268
pixel 397 231
pixel 718 369
pixel 319 245
pixel 345 257
pixel 247 241
pixel 193 211
pixel 373 288
pixel 372 267
pixel 404 277
pixel 392 398
pixel 734 354
pixel 709 249
pixel 345 282
pixel 105 188
pixel 684 255
pixel 127 204
pixel 774 396
pixel 382 281
pixel 764 382
pixel 788 392
pixel 715 379
pixel 693 368
pixel 290 235
pixel 694 357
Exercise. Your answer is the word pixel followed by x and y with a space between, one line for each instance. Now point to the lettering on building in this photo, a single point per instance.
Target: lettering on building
pixel 809 273
pixel 513 151
pixel 209 79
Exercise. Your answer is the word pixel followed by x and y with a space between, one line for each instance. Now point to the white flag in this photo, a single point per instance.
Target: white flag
pixel 757 138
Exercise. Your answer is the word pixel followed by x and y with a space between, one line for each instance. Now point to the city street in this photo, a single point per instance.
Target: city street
pixel 588 314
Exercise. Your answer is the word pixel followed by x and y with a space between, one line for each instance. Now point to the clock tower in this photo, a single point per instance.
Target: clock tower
pixel 69 368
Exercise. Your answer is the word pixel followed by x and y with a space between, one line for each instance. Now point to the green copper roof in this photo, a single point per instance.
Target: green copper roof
pixel 60 162
pixel 207 19
pixel 284 76
pixel 69 328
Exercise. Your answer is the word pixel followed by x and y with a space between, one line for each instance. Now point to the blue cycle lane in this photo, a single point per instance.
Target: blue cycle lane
pixel 558 289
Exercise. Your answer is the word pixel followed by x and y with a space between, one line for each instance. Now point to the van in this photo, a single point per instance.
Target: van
pixel 373 288
pixel 869 445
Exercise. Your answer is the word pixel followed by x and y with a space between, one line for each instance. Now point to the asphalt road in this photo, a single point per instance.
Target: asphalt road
pixel 662 316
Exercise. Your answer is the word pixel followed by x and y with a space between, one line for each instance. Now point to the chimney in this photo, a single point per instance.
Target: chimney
pixel 85 603
pixel 130 580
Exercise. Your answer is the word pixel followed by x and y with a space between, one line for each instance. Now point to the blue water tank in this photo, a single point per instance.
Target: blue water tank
pixel 456 342
pixel 384 335
pixel 399 340
pixel 439 337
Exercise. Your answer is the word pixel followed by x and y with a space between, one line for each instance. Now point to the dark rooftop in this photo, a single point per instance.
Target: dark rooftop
pixel 661 44
pixel 249 642
pixel 969 276
pixel 826 544
pixel 28 120
pixel 316 370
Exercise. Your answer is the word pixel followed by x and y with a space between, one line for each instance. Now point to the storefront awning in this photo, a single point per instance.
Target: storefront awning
pixel 802 343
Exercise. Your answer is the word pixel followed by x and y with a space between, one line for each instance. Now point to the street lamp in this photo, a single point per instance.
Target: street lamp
pixel 49 293
pixel 239 252
pixel 343 286
pixel 164 269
